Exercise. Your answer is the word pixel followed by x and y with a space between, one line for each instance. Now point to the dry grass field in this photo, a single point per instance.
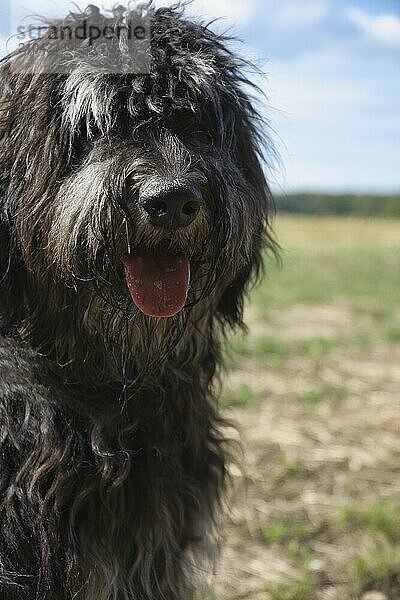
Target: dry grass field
pixel 315 391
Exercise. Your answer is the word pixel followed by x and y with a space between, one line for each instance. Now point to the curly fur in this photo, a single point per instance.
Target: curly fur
pixel 112 460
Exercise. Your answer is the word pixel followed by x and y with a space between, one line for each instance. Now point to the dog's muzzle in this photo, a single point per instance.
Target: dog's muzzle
pixel 170 204
pixel 158 278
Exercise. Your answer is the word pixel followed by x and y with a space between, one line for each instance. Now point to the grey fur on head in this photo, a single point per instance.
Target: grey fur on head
pixel 112 460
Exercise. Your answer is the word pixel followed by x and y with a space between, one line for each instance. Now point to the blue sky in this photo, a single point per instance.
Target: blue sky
pixel 333 83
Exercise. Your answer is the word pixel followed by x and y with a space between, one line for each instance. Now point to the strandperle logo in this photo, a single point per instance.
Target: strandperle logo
pixel 84 31
pixel 101 40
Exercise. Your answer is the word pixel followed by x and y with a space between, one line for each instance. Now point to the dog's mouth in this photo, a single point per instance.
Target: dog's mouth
pixel 158 280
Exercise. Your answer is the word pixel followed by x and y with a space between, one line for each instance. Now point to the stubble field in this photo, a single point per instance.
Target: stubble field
pixel 315 391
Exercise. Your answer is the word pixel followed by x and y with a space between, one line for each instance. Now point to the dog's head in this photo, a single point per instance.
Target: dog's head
pixel 143 189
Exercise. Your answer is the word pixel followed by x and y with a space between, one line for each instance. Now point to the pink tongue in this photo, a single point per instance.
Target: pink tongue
pixel 159 284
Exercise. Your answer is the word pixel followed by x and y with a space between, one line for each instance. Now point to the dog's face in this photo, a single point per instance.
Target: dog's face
pixel 146 190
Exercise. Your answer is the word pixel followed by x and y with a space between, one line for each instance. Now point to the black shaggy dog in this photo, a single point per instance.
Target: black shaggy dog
pixel 133 214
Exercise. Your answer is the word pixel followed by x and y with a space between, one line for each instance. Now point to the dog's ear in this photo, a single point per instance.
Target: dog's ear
pixel 33 155
pixel 249 146
pixel 10 277
pixel 5 109
pixel 5 124
pixel 230 306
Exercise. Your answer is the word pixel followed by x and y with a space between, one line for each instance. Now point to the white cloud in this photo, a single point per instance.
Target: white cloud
pixel 297 14
pixel 385 27
pixel 338 123
pixel 235 11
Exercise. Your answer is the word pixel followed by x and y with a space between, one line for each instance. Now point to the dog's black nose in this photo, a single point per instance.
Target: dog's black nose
pixel 170 204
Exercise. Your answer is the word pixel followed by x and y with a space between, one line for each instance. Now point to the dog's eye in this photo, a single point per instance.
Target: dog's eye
pixel 80 151
pixel 203 137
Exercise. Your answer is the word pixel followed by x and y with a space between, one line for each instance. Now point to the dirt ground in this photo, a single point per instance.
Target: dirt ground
pixel 304 459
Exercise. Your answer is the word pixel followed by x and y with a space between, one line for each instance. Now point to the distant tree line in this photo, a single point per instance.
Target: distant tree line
pixel 342 204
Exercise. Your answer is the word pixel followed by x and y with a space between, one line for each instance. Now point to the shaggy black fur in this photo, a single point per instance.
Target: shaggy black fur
pixel 112 462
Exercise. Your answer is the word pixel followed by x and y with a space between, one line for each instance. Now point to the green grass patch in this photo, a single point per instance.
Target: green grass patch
pixel 380 314
pixel 364 274
pixel 376 567
pixel 324 393
pixel 242 395
pixel 291 590
pixel 392 334
pixel 385 319
pixel 293 534
pixel 276 350
pixel 382 517
pixel 291 466
pixel 274 347
pixel 288 529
